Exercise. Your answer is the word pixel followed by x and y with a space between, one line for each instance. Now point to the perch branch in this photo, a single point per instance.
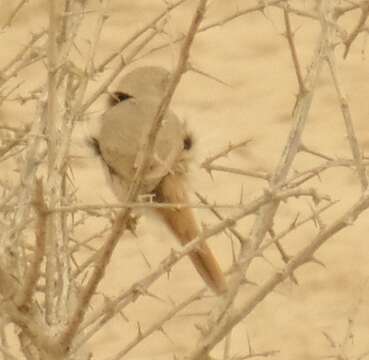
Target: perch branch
pixel 33 273
pixel 345 109
pixel 290 38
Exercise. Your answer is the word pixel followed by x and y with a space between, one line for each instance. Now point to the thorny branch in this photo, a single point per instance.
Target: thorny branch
pixel 56 210
pixel 139 288
pixel 291 43
pixel 345 108
pixel 14 13
pixel 122 218
pixel 33 273
pixel 302 257
pixel 364 7
pixel 264 220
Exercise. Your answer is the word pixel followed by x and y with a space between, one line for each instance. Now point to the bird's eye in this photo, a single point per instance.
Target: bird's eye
pixel 117 97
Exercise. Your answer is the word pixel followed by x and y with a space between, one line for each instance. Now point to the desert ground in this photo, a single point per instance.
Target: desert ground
pixel 251 56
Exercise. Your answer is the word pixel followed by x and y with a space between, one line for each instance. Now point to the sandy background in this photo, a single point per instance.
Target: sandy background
pixel 251 55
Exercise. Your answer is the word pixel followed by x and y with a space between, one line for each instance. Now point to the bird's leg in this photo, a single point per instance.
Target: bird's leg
pixel 182 222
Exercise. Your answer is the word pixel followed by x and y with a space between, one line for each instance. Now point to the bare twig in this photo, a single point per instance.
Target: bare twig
pixel 33 272
pixel 237 234
pixel 151 25
pixel 218 23
pixel 118 69
pixel 342 10
pixel 290 38
pixel 22 52
pixel 142 205
pixel 256 355
pixel 14 13
pixel 19 140
pixel 89 67
pixel 224 152
pixel 293 226
pixel 158 325
pixel 231 170
pixel 345 108
pixel 227 346
pixel 52 142
pixel 301 177
pixel 316 153
pixel 364 6
pixel 22 63
pixel 26 321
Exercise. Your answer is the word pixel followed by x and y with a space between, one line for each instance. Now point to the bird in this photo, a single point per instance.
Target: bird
pixel 124 125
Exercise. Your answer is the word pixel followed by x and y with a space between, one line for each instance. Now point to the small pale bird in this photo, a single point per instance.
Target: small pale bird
pixel 124 127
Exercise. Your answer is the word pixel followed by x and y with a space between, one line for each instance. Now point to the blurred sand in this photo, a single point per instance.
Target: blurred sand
pixel 251 55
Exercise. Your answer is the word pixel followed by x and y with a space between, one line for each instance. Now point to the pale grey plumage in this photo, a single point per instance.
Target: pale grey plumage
pixel 124 129
pixel 146 81
pixel 126 124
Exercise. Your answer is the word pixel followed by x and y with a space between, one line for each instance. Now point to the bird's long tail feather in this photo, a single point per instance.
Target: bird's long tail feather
pixel 182 222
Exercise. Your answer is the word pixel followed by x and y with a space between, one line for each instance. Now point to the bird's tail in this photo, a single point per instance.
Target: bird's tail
pixel 182 222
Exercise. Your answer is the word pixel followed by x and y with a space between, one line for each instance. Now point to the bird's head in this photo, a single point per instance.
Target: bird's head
pixel 143 82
